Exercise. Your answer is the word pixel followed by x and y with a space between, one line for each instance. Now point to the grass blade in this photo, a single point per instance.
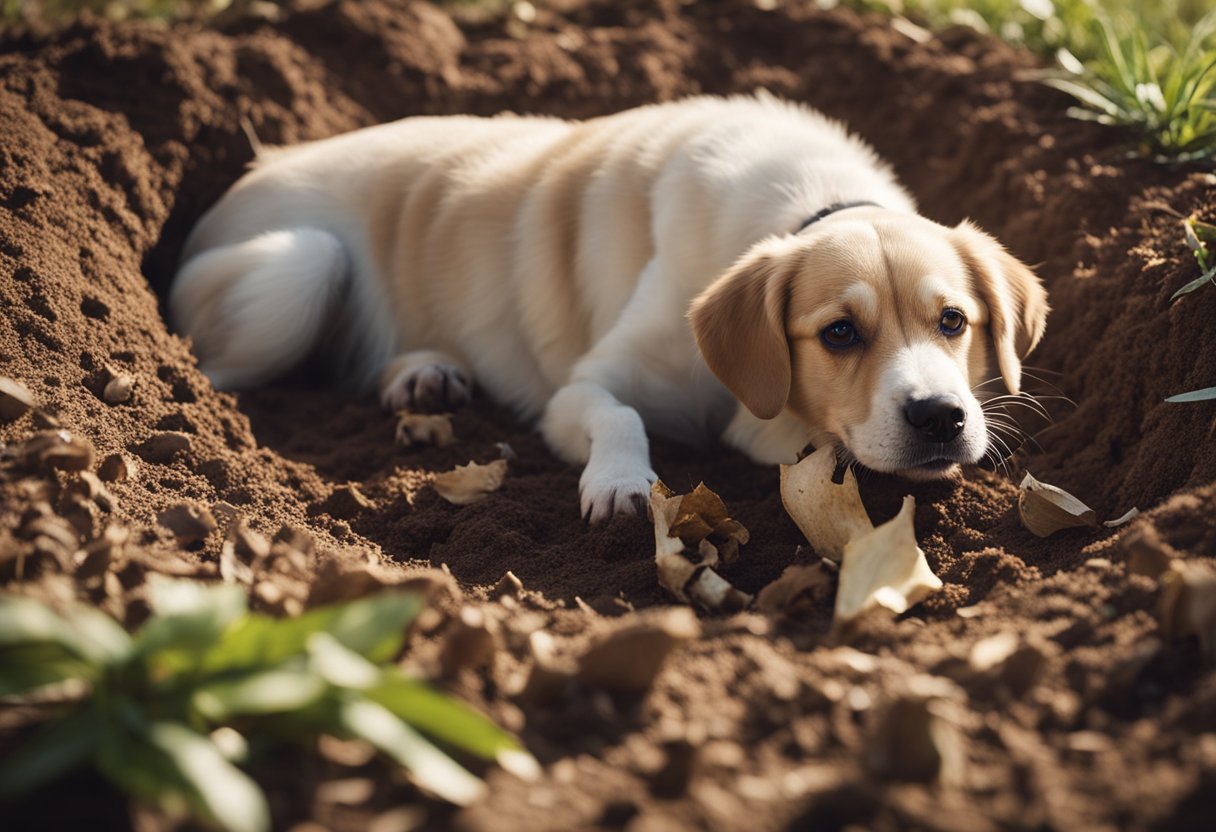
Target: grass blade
pixel 278 690
pixel 430 768
pixel 224 792
pixel 1203 395
pixel 443 718
pixel 1198 282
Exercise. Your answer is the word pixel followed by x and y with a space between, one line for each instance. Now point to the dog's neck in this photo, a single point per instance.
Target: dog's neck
pixel 832 209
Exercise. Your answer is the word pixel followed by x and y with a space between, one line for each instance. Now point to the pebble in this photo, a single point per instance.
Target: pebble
pixel 15 400
pixel 189 523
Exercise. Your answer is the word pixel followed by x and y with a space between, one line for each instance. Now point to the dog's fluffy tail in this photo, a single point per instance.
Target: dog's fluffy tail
pixel 256 308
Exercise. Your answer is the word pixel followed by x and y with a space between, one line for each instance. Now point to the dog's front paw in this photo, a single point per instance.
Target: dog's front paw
pixel 611 490
pixel 430 388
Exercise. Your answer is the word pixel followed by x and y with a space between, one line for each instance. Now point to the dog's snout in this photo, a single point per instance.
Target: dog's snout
pixel 938 418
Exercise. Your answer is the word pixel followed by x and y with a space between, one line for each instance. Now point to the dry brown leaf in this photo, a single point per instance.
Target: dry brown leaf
pixel 425 429
pixel 797 590
pixel 1187 606
pixel 884 567
pixel 1046 509
pixel 472 482
pixel 701 514
pixel 686 573
pixel 1131 515
pixel 829 515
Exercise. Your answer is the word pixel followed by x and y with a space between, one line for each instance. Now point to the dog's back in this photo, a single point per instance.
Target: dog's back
pixel 511 243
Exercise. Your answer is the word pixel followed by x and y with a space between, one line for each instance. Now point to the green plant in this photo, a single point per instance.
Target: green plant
pixel 1147 65
pixel 142 709
pixel 1166 94
pixel 1199 235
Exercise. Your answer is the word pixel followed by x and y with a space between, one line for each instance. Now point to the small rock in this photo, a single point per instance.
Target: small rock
pixel 1187 606
pixel 508 586
pixel 549 674
pixel 672 779
pixel 911 742
pixel 116 468
pixel 346 502
pixel 297 539
pixel 90 487
pixel 232 569
pixel 249 545
pixel 629 659
pixel 118 389
pixel 336 582
pixel 94 559
pixel 56 449
pixel 189 523
pixel 471 642
pixel 1146 553
pixel 15 400
pixel 164 446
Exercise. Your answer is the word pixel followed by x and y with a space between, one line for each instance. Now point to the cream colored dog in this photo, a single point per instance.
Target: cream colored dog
pixel 737 267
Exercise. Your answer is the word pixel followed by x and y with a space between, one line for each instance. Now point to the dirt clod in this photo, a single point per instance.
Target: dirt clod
pixel 190 523
pixel 15 400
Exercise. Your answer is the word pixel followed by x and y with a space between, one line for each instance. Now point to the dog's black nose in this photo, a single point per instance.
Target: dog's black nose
pixel 938 418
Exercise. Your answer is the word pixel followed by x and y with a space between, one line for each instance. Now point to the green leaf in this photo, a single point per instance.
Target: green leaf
pixel 54 751
pixel 1195 395
pixel 27 667
pixel 277 690
pixel 190 618
pixel 431 768
pixel 374 627
pixel 440 716
pixel 1206 277
pixel 88 633
pixel 339 665
pixel 224 793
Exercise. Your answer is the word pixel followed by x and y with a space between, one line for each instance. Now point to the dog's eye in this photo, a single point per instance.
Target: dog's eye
pixel 952 322
pixel 840 334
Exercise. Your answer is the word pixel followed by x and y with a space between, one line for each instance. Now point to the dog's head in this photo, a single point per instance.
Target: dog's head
pixel 874 327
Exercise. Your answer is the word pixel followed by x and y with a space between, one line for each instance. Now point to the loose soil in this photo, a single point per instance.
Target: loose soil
pixel 116 137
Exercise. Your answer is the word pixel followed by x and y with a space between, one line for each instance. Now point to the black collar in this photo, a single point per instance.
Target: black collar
pixel 832 209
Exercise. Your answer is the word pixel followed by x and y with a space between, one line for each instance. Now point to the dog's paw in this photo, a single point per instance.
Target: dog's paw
pixel 430 388
pixel 614 490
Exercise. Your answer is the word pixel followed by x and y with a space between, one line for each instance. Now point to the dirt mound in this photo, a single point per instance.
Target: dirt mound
pixel 116 138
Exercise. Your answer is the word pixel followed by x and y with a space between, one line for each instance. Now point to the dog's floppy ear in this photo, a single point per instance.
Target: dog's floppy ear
pixel 1016 299
pixel 739 324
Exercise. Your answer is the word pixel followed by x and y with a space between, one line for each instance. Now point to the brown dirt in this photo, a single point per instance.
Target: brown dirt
pixel 115 139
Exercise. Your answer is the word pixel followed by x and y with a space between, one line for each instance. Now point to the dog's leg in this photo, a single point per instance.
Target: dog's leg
pixel 254 309
pixel 426 381
pixel 584 423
